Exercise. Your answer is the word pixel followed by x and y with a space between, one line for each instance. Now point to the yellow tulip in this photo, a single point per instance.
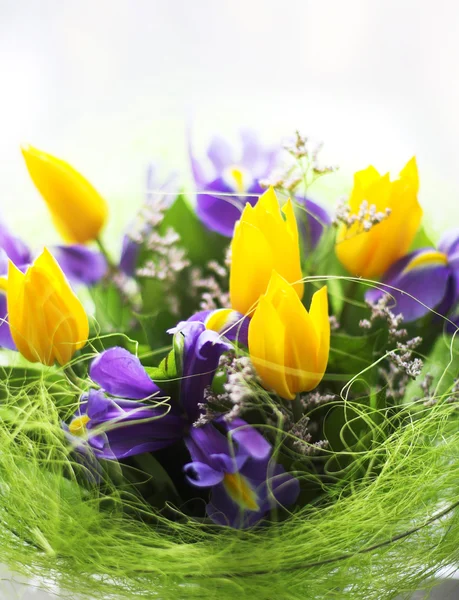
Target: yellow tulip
pixel 371 253
pixel 47 321
pixel 288 345
pixel 79 212
pixel 265 238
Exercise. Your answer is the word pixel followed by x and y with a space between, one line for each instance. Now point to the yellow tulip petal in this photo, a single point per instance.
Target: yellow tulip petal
pixel 410 174
pixel 266 348
pixel 371 253
pixel 251 267
pixel 263 240
pixel 47 321
pixel 78 210
pixel 320 318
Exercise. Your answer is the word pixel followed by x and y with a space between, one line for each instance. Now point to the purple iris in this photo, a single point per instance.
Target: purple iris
pixel 81 265
pixel 429 275
pixel 160 196
pixel 219 208
pixel 245 482
pixel 121 426
pixel 131 427
pixel 229 323
pixel 202 349
pixel 233 181
pixel 231 458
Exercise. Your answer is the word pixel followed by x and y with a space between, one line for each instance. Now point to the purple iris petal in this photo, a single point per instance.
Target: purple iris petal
pixel 129 255
pixel 200 316
pixel 220 213
pixel 249 439
pixel 220 153
pixel 235 329
pixel 6 341
pixel 128 427
pixel 311 222
pixel 14 248
pixel 80 264
pixel 206 444
pixel 449 243
pixel 120 373
pixel 252 151
pixel 201 355
pixel 202 475
pixel 427 283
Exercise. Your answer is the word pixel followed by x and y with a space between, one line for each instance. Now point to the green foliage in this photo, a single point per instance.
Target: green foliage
pixel 442 365
pixel 112 312
pixel 106 541
pixel 351 354
pixel 422 240
pixel 200 243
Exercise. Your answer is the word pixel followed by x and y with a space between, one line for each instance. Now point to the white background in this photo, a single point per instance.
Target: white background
pixel 110 84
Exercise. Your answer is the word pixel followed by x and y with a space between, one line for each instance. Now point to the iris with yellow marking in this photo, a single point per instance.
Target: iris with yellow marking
pixel 78 425
pixel 240 491
pixel 425 259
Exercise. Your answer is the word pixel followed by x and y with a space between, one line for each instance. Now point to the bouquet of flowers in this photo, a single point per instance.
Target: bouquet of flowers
pixel 254 398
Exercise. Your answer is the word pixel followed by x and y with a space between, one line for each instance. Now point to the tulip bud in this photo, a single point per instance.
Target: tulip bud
pixel 288 345
pixel 265 238
pixel 79 212
pixel 47 321
pixel 369 253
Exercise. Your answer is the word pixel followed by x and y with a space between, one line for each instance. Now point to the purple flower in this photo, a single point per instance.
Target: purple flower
pixel 14 248
pixel 231 458
pixel 225 321
pixel 246 483
pixel 202 349
pixel 220 206
pixel 429 275
pixel 159 197
pixel 120 373
pixel 80 264
pixel 116 428
pixel 6 341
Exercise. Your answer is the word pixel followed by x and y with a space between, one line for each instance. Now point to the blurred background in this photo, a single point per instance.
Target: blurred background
pixel 110 85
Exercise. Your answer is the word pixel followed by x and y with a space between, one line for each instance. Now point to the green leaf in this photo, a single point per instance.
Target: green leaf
pixel 421 240
pixel 111 310
pixel 442 364
pixel 200 243
pixel 350 355
pixel 151 480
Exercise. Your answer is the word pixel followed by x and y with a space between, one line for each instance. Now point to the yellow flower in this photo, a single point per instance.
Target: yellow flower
pixel 288 345
pixel 371 253
pixel 79 212
pixel 265 238
pixel 47 321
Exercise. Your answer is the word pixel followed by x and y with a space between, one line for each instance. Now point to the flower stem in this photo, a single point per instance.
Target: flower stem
pixel 72 376
pixel 106 254
pixel 297 409
pixel 346 313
